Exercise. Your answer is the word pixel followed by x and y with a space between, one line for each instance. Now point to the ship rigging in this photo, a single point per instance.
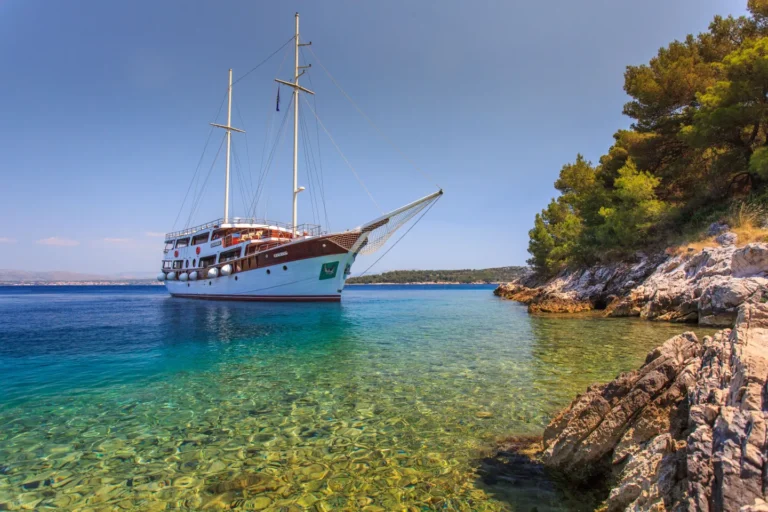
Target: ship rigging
pixel 246 258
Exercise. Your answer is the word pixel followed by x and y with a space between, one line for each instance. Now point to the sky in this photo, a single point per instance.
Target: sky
pixel 105 110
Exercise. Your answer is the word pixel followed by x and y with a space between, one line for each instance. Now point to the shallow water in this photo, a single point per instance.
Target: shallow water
pixel 120 398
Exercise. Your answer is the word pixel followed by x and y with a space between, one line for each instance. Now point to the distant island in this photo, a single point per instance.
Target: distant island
pixel 464 276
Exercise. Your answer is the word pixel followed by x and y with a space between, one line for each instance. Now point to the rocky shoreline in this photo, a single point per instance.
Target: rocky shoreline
pixel 686 431
pixel 705 287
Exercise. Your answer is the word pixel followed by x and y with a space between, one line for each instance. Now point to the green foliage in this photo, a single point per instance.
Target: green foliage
pixel 758 162
pixel 733 112
pixel 540 245
pixel 554 237
pixel 635 209
pixel 488 275
pixel 699 136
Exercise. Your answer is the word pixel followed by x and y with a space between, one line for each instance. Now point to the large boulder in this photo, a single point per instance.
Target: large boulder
pixel 686 431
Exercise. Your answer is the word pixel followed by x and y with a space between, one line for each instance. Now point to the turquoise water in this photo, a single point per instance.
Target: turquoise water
pixel 122 398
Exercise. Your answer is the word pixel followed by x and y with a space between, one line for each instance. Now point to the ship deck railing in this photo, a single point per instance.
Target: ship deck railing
pixel 235 222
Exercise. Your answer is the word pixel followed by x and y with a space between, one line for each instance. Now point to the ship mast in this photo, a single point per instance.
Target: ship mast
pixel 296 88
pixel 229 129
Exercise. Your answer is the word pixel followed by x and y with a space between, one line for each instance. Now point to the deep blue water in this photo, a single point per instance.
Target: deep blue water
pixel 126 397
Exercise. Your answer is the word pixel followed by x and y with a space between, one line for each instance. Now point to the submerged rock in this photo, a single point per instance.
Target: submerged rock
pixel 686 431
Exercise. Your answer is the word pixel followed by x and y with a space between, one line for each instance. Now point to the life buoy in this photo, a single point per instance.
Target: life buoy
pixel 176 254
pixel 197 250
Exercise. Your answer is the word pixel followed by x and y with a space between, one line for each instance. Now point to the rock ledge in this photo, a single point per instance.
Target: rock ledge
pixel 686 431
pixel 706 287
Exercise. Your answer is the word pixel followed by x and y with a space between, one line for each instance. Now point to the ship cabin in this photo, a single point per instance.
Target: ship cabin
pixel 216 243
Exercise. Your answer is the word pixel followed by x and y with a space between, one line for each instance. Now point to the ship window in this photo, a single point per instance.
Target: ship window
pixel 200 239
pixel 168 245
pixel 182 242
pixel 216 235
pixel 229 255
pixel 194 263
pixel 178 263
pixel 186 264
pixel 167 264
pixel 207 261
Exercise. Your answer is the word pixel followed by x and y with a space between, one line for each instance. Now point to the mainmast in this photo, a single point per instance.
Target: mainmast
pixel 229 129
pixel 296 88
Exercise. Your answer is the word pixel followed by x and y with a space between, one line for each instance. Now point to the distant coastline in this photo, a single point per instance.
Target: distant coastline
pixel 462 276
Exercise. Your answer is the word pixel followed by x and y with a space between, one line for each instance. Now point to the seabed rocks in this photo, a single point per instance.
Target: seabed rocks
pixel 234 444
pixel 705 287
pixel 686 431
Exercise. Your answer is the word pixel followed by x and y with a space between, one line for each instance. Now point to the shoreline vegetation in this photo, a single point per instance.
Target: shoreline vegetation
pixel 695 154
pixel 462 276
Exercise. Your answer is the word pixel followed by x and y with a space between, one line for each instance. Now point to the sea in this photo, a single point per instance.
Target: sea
pixel 123 398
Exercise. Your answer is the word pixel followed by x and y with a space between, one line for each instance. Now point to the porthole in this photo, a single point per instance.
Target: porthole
pixel 269 271
pixel 209 283
pixel 194 263
pixel 186 264
pixel 235 278
pixel 187 285
pixel 285 267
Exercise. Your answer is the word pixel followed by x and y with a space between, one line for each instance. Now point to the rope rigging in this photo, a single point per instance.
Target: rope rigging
pixel 197 167
pixel 319 152
pixel 401 236
pixel 195 202
pixel 312 172
pixel 265 60
pixel 370 121
pixel 247 149
pixel 262 181
pixel 343 157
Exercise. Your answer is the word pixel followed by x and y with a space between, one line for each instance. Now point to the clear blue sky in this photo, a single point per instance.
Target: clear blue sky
pixel 105 109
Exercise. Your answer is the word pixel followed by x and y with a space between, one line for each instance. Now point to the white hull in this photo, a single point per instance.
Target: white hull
pixel 300 282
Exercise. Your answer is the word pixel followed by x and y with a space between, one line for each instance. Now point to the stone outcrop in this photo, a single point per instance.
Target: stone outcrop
pixel 706 287
pixel 687 431
pixel 582 289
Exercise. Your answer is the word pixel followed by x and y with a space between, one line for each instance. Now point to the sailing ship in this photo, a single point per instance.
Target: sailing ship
pixel 234 258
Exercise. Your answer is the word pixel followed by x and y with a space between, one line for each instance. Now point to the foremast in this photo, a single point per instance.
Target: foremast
pixel 298 71
pixel 229 129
